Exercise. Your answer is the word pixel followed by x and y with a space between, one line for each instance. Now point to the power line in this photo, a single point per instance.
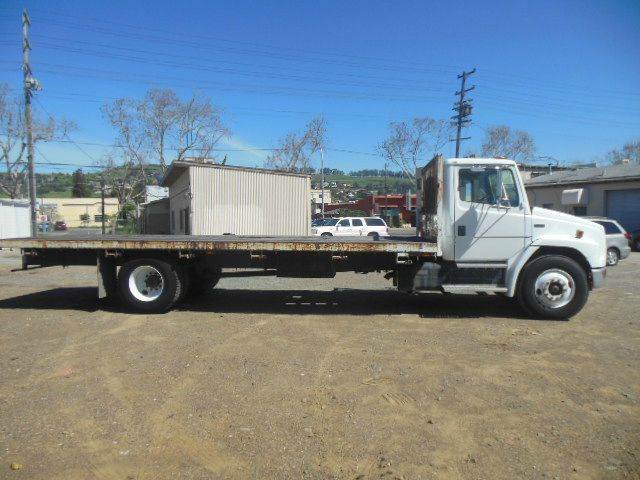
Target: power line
pixel 114 76
pixel 288 90
pixel 214 67
pixel 394 63
pixel 308 55
pixel 66 134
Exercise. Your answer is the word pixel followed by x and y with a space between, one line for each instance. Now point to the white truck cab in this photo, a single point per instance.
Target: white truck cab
pixel 490 239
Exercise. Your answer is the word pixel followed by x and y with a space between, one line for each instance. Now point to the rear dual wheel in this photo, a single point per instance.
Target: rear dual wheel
pixel 150 285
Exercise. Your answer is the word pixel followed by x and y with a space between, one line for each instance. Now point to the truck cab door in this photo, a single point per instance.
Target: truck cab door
pixel 489 214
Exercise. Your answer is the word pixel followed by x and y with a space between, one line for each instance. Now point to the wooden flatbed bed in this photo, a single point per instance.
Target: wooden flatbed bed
pixel 406 245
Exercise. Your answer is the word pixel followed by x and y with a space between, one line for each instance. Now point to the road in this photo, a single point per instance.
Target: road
pixel 290 378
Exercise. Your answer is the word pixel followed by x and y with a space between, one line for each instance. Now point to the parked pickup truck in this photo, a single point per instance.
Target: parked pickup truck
pixel 476 234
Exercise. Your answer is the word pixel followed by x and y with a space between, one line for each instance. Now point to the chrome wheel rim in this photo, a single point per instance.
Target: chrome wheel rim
pixel 612 257
pixel 146 283
pixel 554 288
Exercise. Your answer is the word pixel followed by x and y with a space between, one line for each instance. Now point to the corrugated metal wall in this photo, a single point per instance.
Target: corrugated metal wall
pixel 15 219
pixel 179 202
pixel 245 202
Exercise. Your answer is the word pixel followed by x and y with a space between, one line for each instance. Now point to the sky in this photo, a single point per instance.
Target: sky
pixel 565 71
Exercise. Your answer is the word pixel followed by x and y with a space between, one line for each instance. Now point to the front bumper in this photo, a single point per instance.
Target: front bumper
pixel 597 277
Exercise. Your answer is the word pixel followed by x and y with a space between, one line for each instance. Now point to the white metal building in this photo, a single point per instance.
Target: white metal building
pixel 15 218
pixel 211 199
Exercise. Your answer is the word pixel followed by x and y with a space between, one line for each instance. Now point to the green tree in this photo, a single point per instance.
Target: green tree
pixel 85 218
pixel 80 188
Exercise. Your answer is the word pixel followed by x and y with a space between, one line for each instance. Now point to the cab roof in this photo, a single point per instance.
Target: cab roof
pixel 479 161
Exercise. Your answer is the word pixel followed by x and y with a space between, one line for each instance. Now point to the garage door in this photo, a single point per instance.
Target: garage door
pixel 624 206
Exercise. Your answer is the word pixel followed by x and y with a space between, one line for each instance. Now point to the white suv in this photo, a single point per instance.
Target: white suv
pixel 352 226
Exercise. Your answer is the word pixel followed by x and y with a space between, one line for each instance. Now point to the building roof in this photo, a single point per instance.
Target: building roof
pixel 78 201
pixel 18 202
pixel 176 169
pixel 610 173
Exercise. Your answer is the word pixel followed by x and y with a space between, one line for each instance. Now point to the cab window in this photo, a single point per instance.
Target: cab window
pixel 344 223
pixel 488 185
pixel 356 222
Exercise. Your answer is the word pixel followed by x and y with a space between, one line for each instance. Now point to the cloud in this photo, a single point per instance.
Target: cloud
pixel 235 143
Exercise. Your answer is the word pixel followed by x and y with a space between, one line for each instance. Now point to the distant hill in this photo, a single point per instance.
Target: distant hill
pixel 60 184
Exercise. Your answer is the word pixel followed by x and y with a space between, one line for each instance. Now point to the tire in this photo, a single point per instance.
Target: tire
pixel 553 287
pixel 326 234
pixel 203 284
pixel 149 285
pixel 185 282
pixel 374 235
pixel 612 257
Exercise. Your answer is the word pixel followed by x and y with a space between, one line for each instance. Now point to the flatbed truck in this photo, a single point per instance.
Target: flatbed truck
pixel 476 233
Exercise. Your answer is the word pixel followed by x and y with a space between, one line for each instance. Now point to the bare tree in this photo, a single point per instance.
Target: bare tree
pixel 13 144
pixel 411 144
pixel 502 141
pixel 316 134
pixel 200 128
pixel 124 179
pixel 629 152
pixel 161 127
pixel 133 134
pixel 295 151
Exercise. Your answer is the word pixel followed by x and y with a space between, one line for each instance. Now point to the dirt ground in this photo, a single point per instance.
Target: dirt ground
pixel 281 378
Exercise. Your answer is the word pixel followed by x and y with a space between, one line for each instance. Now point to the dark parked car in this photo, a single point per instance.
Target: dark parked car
pixel 60 225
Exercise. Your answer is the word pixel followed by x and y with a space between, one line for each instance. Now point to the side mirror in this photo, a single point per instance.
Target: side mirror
pixel 504 203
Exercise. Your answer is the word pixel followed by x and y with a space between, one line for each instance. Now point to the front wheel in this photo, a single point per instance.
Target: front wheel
pixel 150 285
pixel 554 287
pixel 612 257
pixel 326 234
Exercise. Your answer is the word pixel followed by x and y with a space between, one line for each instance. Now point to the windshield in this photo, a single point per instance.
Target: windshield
pixel 329 222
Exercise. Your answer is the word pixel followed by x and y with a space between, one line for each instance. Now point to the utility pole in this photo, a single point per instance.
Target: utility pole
pixel 30 84
pixel 385 180
pixel 322 182
pixel 386 193
pixel 102 201
pixel 463 108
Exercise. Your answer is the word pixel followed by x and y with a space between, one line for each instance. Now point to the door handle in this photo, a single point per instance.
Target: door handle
pixel 462 230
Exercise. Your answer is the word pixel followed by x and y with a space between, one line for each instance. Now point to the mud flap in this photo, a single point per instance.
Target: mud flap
pixel 107 284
